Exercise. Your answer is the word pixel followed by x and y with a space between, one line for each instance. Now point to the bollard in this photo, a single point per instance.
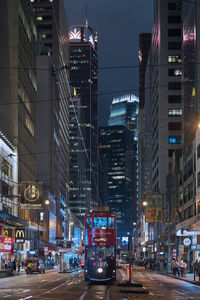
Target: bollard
pixel 128 272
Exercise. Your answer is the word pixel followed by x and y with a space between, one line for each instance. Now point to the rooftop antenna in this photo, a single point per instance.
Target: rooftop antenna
pixel 86 13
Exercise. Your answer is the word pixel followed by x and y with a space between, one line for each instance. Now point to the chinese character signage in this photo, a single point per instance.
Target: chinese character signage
pixel 153 209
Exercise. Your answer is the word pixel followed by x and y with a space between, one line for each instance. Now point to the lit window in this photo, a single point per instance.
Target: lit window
pixel 39 18
pixel 174 59
pixel 175 140
pixel 175 112
pixel 29 125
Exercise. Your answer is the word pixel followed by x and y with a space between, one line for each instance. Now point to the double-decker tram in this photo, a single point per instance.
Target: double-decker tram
pixel 100 245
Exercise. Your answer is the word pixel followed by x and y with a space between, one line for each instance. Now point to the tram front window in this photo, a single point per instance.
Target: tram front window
pixel 111 222
pixel 89 222
pixel 100 222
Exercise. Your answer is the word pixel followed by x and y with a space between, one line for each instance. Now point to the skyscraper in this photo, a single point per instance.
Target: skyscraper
pixel 84 78
pixel 116 184
pixel 124 111
pixel 144 113
pixel 18 85
pixel 166 51
pixel 53 114
pixel 77 159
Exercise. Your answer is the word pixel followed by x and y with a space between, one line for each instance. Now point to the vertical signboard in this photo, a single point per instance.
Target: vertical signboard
pixel 153 209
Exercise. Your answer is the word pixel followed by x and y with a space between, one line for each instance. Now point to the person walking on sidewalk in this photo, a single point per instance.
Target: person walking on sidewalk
pixel 184 268
pixel 175 268
pixel 196 267
pixel 198 270
pixel 18 266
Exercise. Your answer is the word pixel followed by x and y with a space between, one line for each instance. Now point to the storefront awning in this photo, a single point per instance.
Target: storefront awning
pixel 7 219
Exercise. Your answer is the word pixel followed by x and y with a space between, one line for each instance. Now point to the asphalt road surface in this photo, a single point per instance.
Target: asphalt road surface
pixel 53 285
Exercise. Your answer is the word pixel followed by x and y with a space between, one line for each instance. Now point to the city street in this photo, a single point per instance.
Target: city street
pixel 53 285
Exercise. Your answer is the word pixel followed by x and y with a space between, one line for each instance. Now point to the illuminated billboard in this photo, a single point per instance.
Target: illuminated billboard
pixel 52 228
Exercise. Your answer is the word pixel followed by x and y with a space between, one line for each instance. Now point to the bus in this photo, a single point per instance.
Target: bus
pixel 100 245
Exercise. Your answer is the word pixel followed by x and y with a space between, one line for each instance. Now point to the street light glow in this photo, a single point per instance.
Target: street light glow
pixel 47 202
pixel 144 203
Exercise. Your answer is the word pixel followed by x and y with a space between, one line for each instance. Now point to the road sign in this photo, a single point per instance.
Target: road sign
pixel 187 242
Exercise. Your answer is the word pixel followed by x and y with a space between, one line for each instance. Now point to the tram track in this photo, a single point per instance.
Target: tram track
pixel 96 291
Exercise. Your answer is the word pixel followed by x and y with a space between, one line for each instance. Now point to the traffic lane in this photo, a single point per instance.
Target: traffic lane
pixel 22 286
pixel 166 287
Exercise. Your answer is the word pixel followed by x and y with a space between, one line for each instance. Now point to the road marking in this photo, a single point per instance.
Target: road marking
pixel 26 298
pixel 180 293
pixel 25 291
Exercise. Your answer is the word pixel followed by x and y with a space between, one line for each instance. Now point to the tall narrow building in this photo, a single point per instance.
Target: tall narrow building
pixel 167 98
pixel 124 111
pixel 84 78
pixel 116 172
pixel 53 114
pixel 18 86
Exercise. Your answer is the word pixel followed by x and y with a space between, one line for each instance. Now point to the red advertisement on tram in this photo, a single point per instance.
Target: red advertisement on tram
pixel 100 245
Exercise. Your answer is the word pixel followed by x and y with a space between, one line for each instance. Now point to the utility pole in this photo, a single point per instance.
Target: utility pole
pixel 169 250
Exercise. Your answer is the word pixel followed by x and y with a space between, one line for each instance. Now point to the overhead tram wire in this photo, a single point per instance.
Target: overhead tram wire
pixel 97 94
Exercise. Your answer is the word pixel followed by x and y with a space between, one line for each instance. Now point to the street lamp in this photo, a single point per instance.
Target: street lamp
pixel 47 202
pixel 144 203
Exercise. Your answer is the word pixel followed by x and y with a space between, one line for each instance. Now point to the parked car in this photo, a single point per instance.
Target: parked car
pixel 34 265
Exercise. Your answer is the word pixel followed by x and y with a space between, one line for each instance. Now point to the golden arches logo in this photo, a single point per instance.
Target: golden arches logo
pixel 5 233
pixel 19 233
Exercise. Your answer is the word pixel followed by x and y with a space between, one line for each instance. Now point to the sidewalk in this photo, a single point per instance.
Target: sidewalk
pixel 188 278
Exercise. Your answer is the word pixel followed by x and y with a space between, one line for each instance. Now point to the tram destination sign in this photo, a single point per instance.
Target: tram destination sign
pixel 101 208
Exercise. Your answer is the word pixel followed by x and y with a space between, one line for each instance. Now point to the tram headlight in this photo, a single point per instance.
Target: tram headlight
pixel 99 270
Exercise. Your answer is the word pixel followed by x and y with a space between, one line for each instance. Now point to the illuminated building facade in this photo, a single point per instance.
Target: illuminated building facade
pixel 124 111
pixel 77 159
pixel 19 84
pixel 84 78
pixel 116 173
pixel 53 114
pixel 167 98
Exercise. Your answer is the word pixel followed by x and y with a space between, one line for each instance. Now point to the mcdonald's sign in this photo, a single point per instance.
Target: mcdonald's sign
pixel 19 235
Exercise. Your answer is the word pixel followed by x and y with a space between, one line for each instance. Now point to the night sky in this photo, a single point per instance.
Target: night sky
pixel 118 23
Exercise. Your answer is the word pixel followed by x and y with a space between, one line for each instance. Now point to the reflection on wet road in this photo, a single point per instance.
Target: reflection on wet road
pixel 53 285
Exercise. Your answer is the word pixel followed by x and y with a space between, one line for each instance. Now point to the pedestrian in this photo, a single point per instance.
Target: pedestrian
pixel 14 266
pixel 165 265
pixel 6 264
pixel 3 264
pixel 70 263
pixel 198 270
pixel 195 267
pixel 184 268
pixel 175 268
pixel 29 267
pixel 18 266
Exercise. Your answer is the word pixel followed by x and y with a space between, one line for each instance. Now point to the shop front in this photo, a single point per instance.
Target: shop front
pixel 69 259
pixel 7 251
